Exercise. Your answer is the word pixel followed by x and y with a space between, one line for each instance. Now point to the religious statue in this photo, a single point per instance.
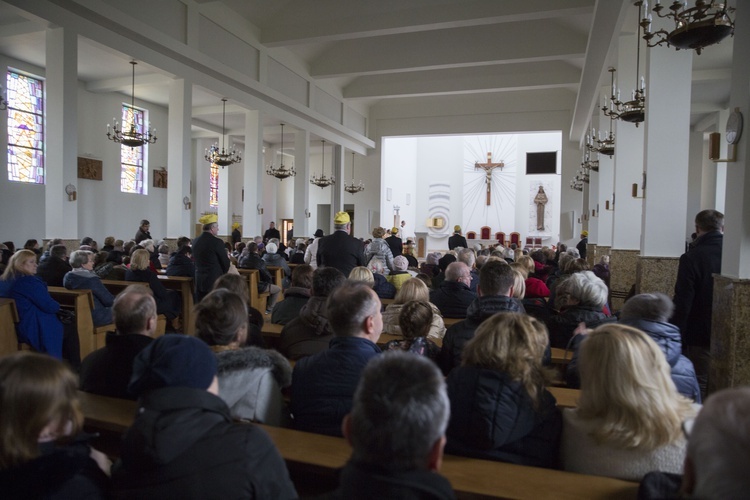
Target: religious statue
pixel 541 201
pixel 488 167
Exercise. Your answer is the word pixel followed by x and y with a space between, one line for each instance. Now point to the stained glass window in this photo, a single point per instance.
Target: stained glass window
pixel 213 199
pixel 25 128
pixel 131 177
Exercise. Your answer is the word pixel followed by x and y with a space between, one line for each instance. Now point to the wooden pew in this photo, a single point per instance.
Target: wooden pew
pixel 278 279
pixel 560 357
pixel 8 319
pixel 452 321
pixel 184 285
pixel 257 300
pixel 115 287
pixel 316 457
pixel 82 302
pixel 271 333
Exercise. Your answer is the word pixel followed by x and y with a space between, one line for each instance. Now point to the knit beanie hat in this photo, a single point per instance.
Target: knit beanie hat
pixel 272 248
pixel 173 361
pixel 400 263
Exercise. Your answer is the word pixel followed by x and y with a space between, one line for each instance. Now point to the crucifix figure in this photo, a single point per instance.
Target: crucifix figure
pixel 488 167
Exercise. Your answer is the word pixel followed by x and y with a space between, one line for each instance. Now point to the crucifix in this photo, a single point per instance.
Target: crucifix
pixel 488 167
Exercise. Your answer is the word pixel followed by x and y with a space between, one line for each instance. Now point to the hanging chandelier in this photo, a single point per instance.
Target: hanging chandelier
pixel 707 23
pixel 604 143
pixel 588 162
pixel 576 184
pixel 222 157
pixel 322 181
pixel 281 172
pixel 129 134
pixel 354 187
pixel 632 111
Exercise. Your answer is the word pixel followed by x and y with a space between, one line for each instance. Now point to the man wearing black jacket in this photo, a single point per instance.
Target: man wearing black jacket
pixel 54 267
pixel 211 260
pixel 694 289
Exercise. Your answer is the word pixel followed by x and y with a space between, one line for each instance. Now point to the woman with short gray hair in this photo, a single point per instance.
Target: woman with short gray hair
pixel 83 277
pixel 579 298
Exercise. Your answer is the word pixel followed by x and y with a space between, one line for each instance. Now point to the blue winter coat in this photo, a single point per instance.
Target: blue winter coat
pixel 323 384
pixel 492 417
pixel 103 300
pixel 667 336
pixel 38 325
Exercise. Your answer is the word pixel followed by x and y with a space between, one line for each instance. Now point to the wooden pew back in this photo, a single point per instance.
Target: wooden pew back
pixel 82 302
pixel 8 320
pixel 257 300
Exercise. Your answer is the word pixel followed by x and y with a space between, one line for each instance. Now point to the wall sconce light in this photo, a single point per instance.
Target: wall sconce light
pixel 70 190
pixel 634 194
pixel 186 202
pixel 307 213
pixel 259 209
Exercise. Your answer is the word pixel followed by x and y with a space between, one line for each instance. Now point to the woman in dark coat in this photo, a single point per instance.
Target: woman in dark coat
pixel 168 302
pixel 500 408
pixel 42 454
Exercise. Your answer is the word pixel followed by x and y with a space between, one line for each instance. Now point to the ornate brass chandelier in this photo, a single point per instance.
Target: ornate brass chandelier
pixel 707 23
pixel 281 172
pixel 222 157
pixel 354 187
pixel 322 181
pixel 129 134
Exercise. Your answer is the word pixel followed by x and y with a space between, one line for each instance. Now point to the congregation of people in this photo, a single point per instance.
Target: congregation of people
pixel 407 360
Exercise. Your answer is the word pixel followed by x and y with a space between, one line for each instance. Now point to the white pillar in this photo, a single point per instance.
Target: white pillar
pixel 302 182
pixel 337 191
pixel 224 211
pixel 695 179
pixel 606 187
pixel 253 173
pixel 591 215
pixel 61 158
pixel 736 251
pixel 628 159
pixel 179 158
pixel 667 134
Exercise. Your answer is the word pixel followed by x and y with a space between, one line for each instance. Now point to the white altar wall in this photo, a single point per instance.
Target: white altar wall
pixel 439 170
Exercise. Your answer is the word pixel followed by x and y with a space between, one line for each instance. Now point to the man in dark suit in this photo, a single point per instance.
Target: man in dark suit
pixel 395 243
pixel 340 250
pixel 271 232
pixel 55 266
pixel 457 240
pixel 211 260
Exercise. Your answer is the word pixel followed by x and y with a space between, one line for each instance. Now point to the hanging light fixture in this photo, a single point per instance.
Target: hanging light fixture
pixel 281 172
pixel 603 143
pixel 354 187
pixel 707 23
pixel 632 111
pixel 129 135
pixel 222 157
pixel 323 181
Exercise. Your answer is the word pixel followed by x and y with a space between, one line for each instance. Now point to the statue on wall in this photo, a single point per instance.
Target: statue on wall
pixel 541 201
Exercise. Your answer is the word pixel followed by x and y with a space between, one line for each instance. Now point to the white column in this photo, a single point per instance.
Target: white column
pixel 695 178
pixel 606 187
pixel 337 191
pixel 302 182
pixel 593 219
pixel 61 162
pixel 253 172
pixel 224 210
pixel 736 251
pixel 667 134
pixel 179 158
pixel 628 159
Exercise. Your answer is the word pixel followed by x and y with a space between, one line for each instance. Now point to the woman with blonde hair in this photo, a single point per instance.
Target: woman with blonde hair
pixel 629 415
pixel 379 249
pixel 168 302
pixel 38 312
pixel 500 407
pixel 42 451
pixel 412 289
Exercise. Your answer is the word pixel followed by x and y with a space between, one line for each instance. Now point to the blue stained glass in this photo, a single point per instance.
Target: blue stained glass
pixel 25 128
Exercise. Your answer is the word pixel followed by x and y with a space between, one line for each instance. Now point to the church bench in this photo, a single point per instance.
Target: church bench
pixel 257 300
pixel 184 285
pixel 278 279
pixel 81 302
pixel 315 458
pixel 8 320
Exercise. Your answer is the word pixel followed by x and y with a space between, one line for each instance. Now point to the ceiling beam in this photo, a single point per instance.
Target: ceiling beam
pixel 461 47
pixel 124 84
pixel 336 20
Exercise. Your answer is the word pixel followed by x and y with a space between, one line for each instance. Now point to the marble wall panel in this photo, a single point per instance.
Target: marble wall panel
pixel 730 334
pixel 623 265
pixel 657 274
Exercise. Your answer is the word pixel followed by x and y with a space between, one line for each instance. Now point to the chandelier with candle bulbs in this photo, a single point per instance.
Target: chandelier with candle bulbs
pixel 354 187
pixel 322 181
pixel 704 24
pixel 222 157
pixel 281 172
pixel 129 134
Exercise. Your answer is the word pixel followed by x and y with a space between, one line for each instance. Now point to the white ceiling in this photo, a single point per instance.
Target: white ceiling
pixel 373 50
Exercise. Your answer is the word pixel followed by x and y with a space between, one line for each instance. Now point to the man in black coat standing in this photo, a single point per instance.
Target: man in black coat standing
pixel 395 243
pixel 271 233
pixel 694 290
pixel 211 260
pixel 340 250
pixel 457 240
pixel 582 245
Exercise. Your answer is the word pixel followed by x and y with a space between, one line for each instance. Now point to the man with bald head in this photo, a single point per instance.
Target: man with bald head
pixel 454 294
pixel 107 371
